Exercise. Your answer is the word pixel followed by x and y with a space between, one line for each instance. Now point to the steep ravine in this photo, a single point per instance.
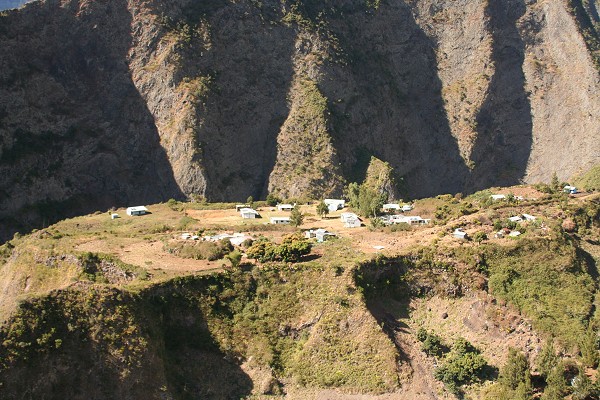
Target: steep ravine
pixel 120 102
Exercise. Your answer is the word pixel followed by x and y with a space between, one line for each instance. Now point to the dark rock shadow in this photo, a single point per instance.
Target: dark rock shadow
pixel 75 134
pixel 504 123
pixel 385 99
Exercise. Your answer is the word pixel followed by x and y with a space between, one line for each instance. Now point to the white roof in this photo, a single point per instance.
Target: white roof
pixel 516 218
pixel 498 196
pixel 285 206
pixel 280 219
pixel 334 201
pixel 248 211
pixel 137 208
pixel 392 206
pixel 529 217
pixel 514 233
pixel 347 216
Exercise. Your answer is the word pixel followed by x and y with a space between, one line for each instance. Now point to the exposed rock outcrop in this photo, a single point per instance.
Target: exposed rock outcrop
pixel 129 101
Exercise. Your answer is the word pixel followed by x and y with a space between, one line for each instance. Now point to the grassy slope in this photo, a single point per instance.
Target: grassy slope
pixel 310 324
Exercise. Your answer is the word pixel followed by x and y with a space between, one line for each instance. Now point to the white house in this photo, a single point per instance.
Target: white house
pixel 114 216
pixel 391 206
pixel 285 207
pixel 570 189
pixel 319 234
pixel 238 207
pixel 350 220
pixel 528 217
pixel 248 213
pixel 407 207
pixel 497 197
pixel 334 204
pixel 138 210
pixel 460 234
pixel 280 220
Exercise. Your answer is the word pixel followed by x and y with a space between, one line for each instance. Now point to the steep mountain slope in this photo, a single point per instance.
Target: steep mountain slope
pixel 118 102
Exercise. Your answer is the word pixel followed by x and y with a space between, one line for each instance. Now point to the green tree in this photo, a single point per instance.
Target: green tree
pixel 589 348
pixel 583 388
pixel 296 217
pixel 272 200
pixel 547 358
pixel 556 384
pixel 480 236
pixel 235 257
pixel 250 201
pixel 555 184
pixel 322 209
pixel 463 365
pixel 515 375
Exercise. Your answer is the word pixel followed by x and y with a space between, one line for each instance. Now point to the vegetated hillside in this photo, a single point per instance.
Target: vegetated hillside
pixel 121 102
pixel 335 323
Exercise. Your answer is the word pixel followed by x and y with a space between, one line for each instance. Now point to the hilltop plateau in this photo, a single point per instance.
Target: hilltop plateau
pixel 160 306
pixel 117 102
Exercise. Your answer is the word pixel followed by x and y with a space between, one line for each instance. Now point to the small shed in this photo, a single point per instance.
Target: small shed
pixel 497 197
pixel 516 218
pixel 249 213
pixel 391 207
pixel 351 220
pixel 319 234
pixel 114 216
pixel 407 207
pixel 570 189
pixel 280 220
pixel 460 234
pixel 335 204
pixel 136 211
pixel 285 207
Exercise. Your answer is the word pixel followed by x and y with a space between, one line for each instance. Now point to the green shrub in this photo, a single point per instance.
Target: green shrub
pixel 432 343
pixel 463 365
pixel 292 248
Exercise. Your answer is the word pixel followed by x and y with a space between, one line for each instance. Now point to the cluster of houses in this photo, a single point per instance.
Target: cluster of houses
pixel 404 219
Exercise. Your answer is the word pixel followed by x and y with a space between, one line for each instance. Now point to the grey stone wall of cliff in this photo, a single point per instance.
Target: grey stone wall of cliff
pixel 121 102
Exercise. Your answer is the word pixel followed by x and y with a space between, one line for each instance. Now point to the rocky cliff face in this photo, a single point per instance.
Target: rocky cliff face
pixel 118 102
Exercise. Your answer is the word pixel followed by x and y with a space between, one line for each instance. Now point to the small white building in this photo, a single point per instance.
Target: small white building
pixel 391 206
pixel 460 234
pixel 350 220
pixel 319 234
pixel 516 218
pixel 285 207
pixel 280 220
pixel 249 213
pixel 186 236
pixel 497 197
pixel 136 211
pixel 114 216
pixel 570 189
pixel 407 207
pixel 335 204
pixel 529 217
pixel 514 234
